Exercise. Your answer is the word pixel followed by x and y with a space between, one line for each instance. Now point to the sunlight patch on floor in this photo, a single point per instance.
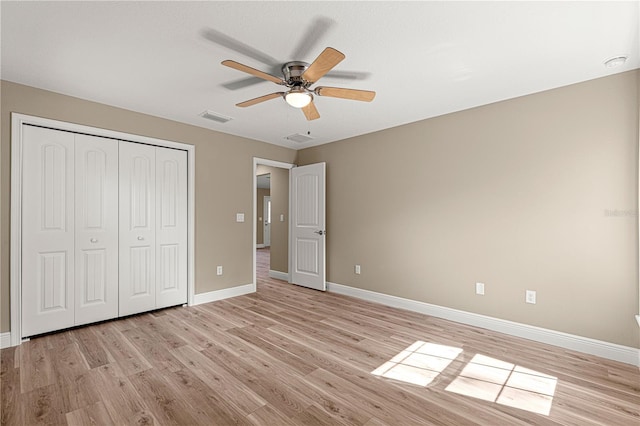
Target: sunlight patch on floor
pixel 418 364
pixel 508 384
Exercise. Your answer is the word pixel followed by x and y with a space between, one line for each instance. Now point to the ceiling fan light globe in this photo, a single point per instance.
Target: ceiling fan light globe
pixel 298 99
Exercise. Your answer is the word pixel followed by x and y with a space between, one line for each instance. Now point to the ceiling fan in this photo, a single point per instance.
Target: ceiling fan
pixel 298 77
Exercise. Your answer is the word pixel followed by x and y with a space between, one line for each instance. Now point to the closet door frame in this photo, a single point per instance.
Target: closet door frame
pixel 17 123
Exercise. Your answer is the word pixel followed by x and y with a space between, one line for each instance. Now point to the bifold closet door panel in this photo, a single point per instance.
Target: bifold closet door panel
pixel 137 245
pixel 47 230
pixel 96 261
pixel 171 227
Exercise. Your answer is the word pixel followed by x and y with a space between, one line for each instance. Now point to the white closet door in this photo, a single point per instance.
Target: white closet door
pixel 47 230
pixel 171 227
pixel 96 259
pixel 137 228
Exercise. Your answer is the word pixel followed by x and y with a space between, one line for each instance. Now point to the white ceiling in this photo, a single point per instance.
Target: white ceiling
pixel 423 59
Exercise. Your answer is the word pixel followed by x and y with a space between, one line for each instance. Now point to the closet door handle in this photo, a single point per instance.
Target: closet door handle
pixel 94 240
pixel 140 238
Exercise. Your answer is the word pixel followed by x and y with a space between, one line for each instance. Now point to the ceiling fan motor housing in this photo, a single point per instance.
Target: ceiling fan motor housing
pixel 292 72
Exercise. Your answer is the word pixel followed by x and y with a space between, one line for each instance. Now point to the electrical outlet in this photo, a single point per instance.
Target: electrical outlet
pixel 480 289
pixel 357 269
pixel 219 270
pixel 530 296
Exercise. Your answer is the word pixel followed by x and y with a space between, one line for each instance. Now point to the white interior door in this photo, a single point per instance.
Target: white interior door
pixel 171 228
pixel 308 231
pixel 137 290
pixel 47 230
pixel 96 229
pixel 266 239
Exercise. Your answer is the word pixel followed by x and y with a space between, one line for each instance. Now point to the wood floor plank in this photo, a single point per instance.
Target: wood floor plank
pixel 314 415
pixel 287 355
pixel 220 380
pixel 91 347
pixel 36 369
pixel 159 395
pixel 121 400
pixel 154 351
pixel 207 405
pixel 245 316
pixel 364 359
pixel 43 405
pixel 68 364
pixel 154 326
pixel 269 416
pixel 264 384
pixel 10 413
pixel 174 323
pixel 120 349
pixel 388 406
pixel 79 392
pixel 253 335
pixel 95 414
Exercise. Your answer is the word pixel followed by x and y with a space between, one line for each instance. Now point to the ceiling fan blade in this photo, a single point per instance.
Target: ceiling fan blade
pixel 244 68
pixel 315 32
pixel 260 99
pixel 242 83
pixel 238 46
pixel 347 75
pixel 353 94
pixel 328 59
pixel 310 111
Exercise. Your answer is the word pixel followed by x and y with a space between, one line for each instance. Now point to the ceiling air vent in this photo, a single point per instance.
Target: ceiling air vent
pixel 214 116
pixel 297 137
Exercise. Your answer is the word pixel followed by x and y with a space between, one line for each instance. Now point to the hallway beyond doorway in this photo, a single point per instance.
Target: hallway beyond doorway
pixel 263 261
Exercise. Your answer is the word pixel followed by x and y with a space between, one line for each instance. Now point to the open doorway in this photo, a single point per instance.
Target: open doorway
pixel 263 210
pixel 271 220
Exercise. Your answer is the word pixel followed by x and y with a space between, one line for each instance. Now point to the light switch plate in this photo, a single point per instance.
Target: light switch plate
pixel 530 297
pixel 239 217
pixel 281 218
pixel 480 289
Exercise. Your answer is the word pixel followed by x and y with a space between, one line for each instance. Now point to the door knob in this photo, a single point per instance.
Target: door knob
pixel 140 238
pixel 94 240
pixel 321 232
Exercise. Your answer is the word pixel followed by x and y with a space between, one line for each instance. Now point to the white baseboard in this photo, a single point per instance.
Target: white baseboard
pixel 5 340
pixel 279 275
pixel 259 246
pixel 599 348
pixel 226 293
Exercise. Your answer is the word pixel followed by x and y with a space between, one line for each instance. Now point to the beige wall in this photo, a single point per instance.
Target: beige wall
pixel 513 194
pixel 279 253
pixel 260 194
pixel 223 181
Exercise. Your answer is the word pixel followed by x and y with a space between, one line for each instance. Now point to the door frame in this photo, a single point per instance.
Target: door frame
pixel 266 207
pixel 17 122
pixel 281 165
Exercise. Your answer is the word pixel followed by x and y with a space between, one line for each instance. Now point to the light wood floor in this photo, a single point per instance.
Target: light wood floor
pixel 287 355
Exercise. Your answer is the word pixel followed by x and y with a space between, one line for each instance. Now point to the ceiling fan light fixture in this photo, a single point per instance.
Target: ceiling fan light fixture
pixel 298 98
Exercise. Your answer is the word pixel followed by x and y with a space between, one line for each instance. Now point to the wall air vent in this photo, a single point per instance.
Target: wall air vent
pixel 297 137
pixel 214 116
